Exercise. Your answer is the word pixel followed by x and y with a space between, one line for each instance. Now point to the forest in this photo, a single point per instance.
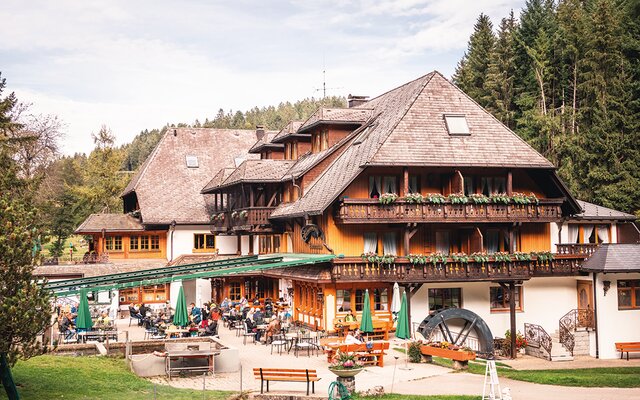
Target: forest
pixel 565 76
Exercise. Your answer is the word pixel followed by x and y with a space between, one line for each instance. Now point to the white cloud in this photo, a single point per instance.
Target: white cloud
pixel 137 65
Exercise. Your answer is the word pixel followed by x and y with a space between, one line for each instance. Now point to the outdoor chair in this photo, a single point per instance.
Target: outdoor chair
pixel 150 333
pixel 304 342
pixel 279 341
pixel 133 316
pixel 246 334
pixel 240 327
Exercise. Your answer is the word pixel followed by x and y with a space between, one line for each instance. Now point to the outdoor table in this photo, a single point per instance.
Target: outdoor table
pixel 292 338
pixel 186 354
pixel 179 332
pixel 85 336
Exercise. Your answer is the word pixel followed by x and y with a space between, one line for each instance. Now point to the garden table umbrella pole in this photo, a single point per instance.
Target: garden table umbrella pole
pixel 181 318
pixel 402 330
pixel 366 324
pixel 83 319
pixel 395 302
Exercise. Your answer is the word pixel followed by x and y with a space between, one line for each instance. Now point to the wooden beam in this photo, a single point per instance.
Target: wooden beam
pixel 405 176
pixel 239 245
pixel 509 183
pixel 512 315
pixel 251 197
pixel 250 245
pixel 272 199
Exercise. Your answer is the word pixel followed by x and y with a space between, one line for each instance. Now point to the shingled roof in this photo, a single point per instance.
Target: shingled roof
pixel 255 171
pixel 168 190
pixel 409 129
pixel 614 258
pixel 290 129
pixel 265 143
pixel 592 211
pixel 109 223
pixel 336 116
pixel 218 179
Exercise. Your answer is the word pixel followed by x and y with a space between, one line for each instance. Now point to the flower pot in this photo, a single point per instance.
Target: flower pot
pixel 346 373
pixel 446 353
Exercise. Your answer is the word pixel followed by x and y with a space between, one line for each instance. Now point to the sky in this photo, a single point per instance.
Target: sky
pixel 135 65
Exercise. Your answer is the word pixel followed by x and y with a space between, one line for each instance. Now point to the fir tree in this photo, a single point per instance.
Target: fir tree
pixel 472 71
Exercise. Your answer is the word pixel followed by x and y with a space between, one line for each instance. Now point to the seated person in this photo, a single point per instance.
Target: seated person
pixel 350 317
pixel 258 317
pixel 196 314
pixel 143 314
pixel 253 327
pixel 65 326
pixel 133 311
pixel 225 304
pixel 351 338
pixel 212 328
pixel 103 319
pixel 215 314
pixel 273 329
pixel 204 324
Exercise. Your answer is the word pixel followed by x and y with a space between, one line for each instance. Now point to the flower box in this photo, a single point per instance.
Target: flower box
pixel 446 353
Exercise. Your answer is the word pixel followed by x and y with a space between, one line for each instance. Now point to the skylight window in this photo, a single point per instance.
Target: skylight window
pixel 192 161
pixel 457 124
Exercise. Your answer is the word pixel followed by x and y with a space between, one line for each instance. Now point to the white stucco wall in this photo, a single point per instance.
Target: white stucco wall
pixel 545 301
pixel 614 325
pixel 183 240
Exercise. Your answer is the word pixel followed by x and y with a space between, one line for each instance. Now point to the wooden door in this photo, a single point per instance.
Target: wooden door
pixel 585 295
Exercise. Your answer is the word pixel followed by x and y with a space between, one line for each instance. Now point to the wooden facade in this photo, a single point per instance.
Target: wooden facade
pixel 131 245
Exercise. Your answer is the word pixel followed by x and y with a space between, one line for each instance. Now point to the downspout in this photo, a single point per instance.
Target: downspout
pixel 172 227
pixel 595 312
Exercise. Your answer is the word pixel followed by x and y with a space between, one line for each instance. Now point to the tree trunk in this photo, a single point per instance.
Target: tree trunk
pixel 575 93
pixel 6 378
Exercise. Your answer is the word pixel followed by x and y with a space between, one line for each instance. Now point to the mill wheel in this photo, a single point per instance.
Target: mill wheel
pixel 441 321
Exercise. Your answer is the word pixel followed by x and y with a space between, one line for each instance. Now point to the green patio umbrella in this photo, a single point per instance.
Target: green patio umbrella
pixel 366 325
pixel 181 318
pixel 83 319
pixel 402 330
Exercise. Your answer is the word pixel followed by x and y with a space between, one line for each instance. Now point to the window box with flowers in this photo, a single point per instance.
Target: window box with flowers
pixel 448 350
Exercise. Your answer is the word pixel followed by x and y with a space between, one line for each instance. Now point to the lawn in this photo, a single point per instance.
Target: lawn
pixel 417 397
pixel 105 378
pixel 619 377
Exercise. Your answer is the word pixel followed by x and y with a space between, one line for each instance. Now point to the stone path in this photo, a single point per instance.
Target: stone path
pixel 423 379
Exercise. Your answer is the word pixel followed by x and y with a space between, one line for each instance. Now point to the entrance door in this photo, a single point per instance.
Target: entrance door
pixel 585 304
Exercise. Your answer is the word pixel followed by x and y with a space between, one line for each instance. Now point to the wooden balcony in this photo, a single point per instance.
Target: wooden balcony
pixel 577 248
pixel 251 219
pixel 355 269
pixel 358 211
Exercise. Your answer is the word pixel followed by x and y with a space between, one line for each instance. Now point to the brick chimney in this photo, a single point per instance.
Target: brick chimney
pixel 356 100
pixel 259 131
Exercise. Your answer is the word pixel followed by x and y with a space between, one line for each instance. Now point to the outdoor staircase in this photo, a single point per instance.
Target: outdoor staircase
pixel 558 352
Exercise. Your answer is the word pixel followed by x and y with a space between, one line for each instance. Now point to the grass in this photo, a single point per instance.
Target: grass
pixel 618 377
pixel 417 397
pixel 104 378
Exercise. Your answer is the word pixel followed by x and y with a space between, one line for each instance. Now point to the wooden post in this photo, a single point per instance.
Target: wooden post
pixel 405 186
pixel 250 245
pixel 251 197
pixel 509 183
pixel 512 315
pixel 407 238
pixel 238 244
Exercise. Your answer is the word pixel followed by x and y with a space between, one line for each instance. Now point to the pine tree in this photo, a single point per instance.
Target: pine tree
pixel 501 74
pixel 471 73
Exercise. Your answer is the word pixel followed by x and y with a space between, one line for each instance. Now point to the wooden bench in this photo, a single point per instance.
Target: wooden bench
pixel 286 375
pixel 627 347
pixel 368 356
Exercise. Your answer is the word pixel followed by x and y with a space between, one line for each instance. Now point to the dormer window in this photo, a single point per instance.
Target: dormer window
pixel 192 161
pixel 457 125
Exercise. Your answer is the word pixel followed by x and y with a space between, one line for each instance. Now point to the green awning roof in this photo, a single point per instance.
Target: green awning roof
pixel 187 272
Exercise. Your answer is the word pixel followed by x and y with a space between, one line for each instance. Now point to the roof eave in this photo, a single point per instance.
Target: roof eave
pixel 328 122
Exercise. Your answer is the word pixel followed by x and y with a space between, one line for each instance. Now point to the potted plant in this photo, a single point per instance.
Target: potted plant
pixel 448 350
pixel 388 198
pixel 417 259
pixel 498 198
pixel 458 198
pixel 414 198
pixel 435 198
pixel 479 198
pixel 345 365
pixel 243 214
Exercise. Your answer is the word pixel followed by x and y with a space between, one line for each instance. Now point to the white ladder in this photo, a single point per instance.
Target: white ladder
pixel 491 380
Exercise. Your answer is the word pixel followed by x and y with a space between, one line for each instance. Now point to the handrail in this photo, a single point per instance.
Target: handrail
pixel 350 200
pixel 577 248
pixel 537 335
pixel 576 318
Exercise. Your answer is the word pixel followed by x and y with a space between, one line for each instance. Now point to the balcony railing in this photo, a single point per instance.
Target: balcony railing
pixel 401 270
pixel 243 219
pixel 577 248
pixel 356 211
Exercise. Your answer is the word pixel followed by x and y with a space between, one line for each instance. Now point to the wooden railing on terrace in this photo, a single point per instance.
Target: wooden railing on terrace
pixel 249 218
pixel 355 211
pixel 401 270
pixel 577 248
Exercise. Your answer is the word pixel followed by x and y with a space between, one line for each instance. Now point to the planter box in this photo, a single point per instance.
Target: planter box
pixel 446 353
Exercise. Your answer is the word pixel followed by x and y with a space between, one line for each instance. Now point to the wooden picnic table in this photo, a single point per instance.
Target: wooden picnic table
pixel 85 336
pixel 187 354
